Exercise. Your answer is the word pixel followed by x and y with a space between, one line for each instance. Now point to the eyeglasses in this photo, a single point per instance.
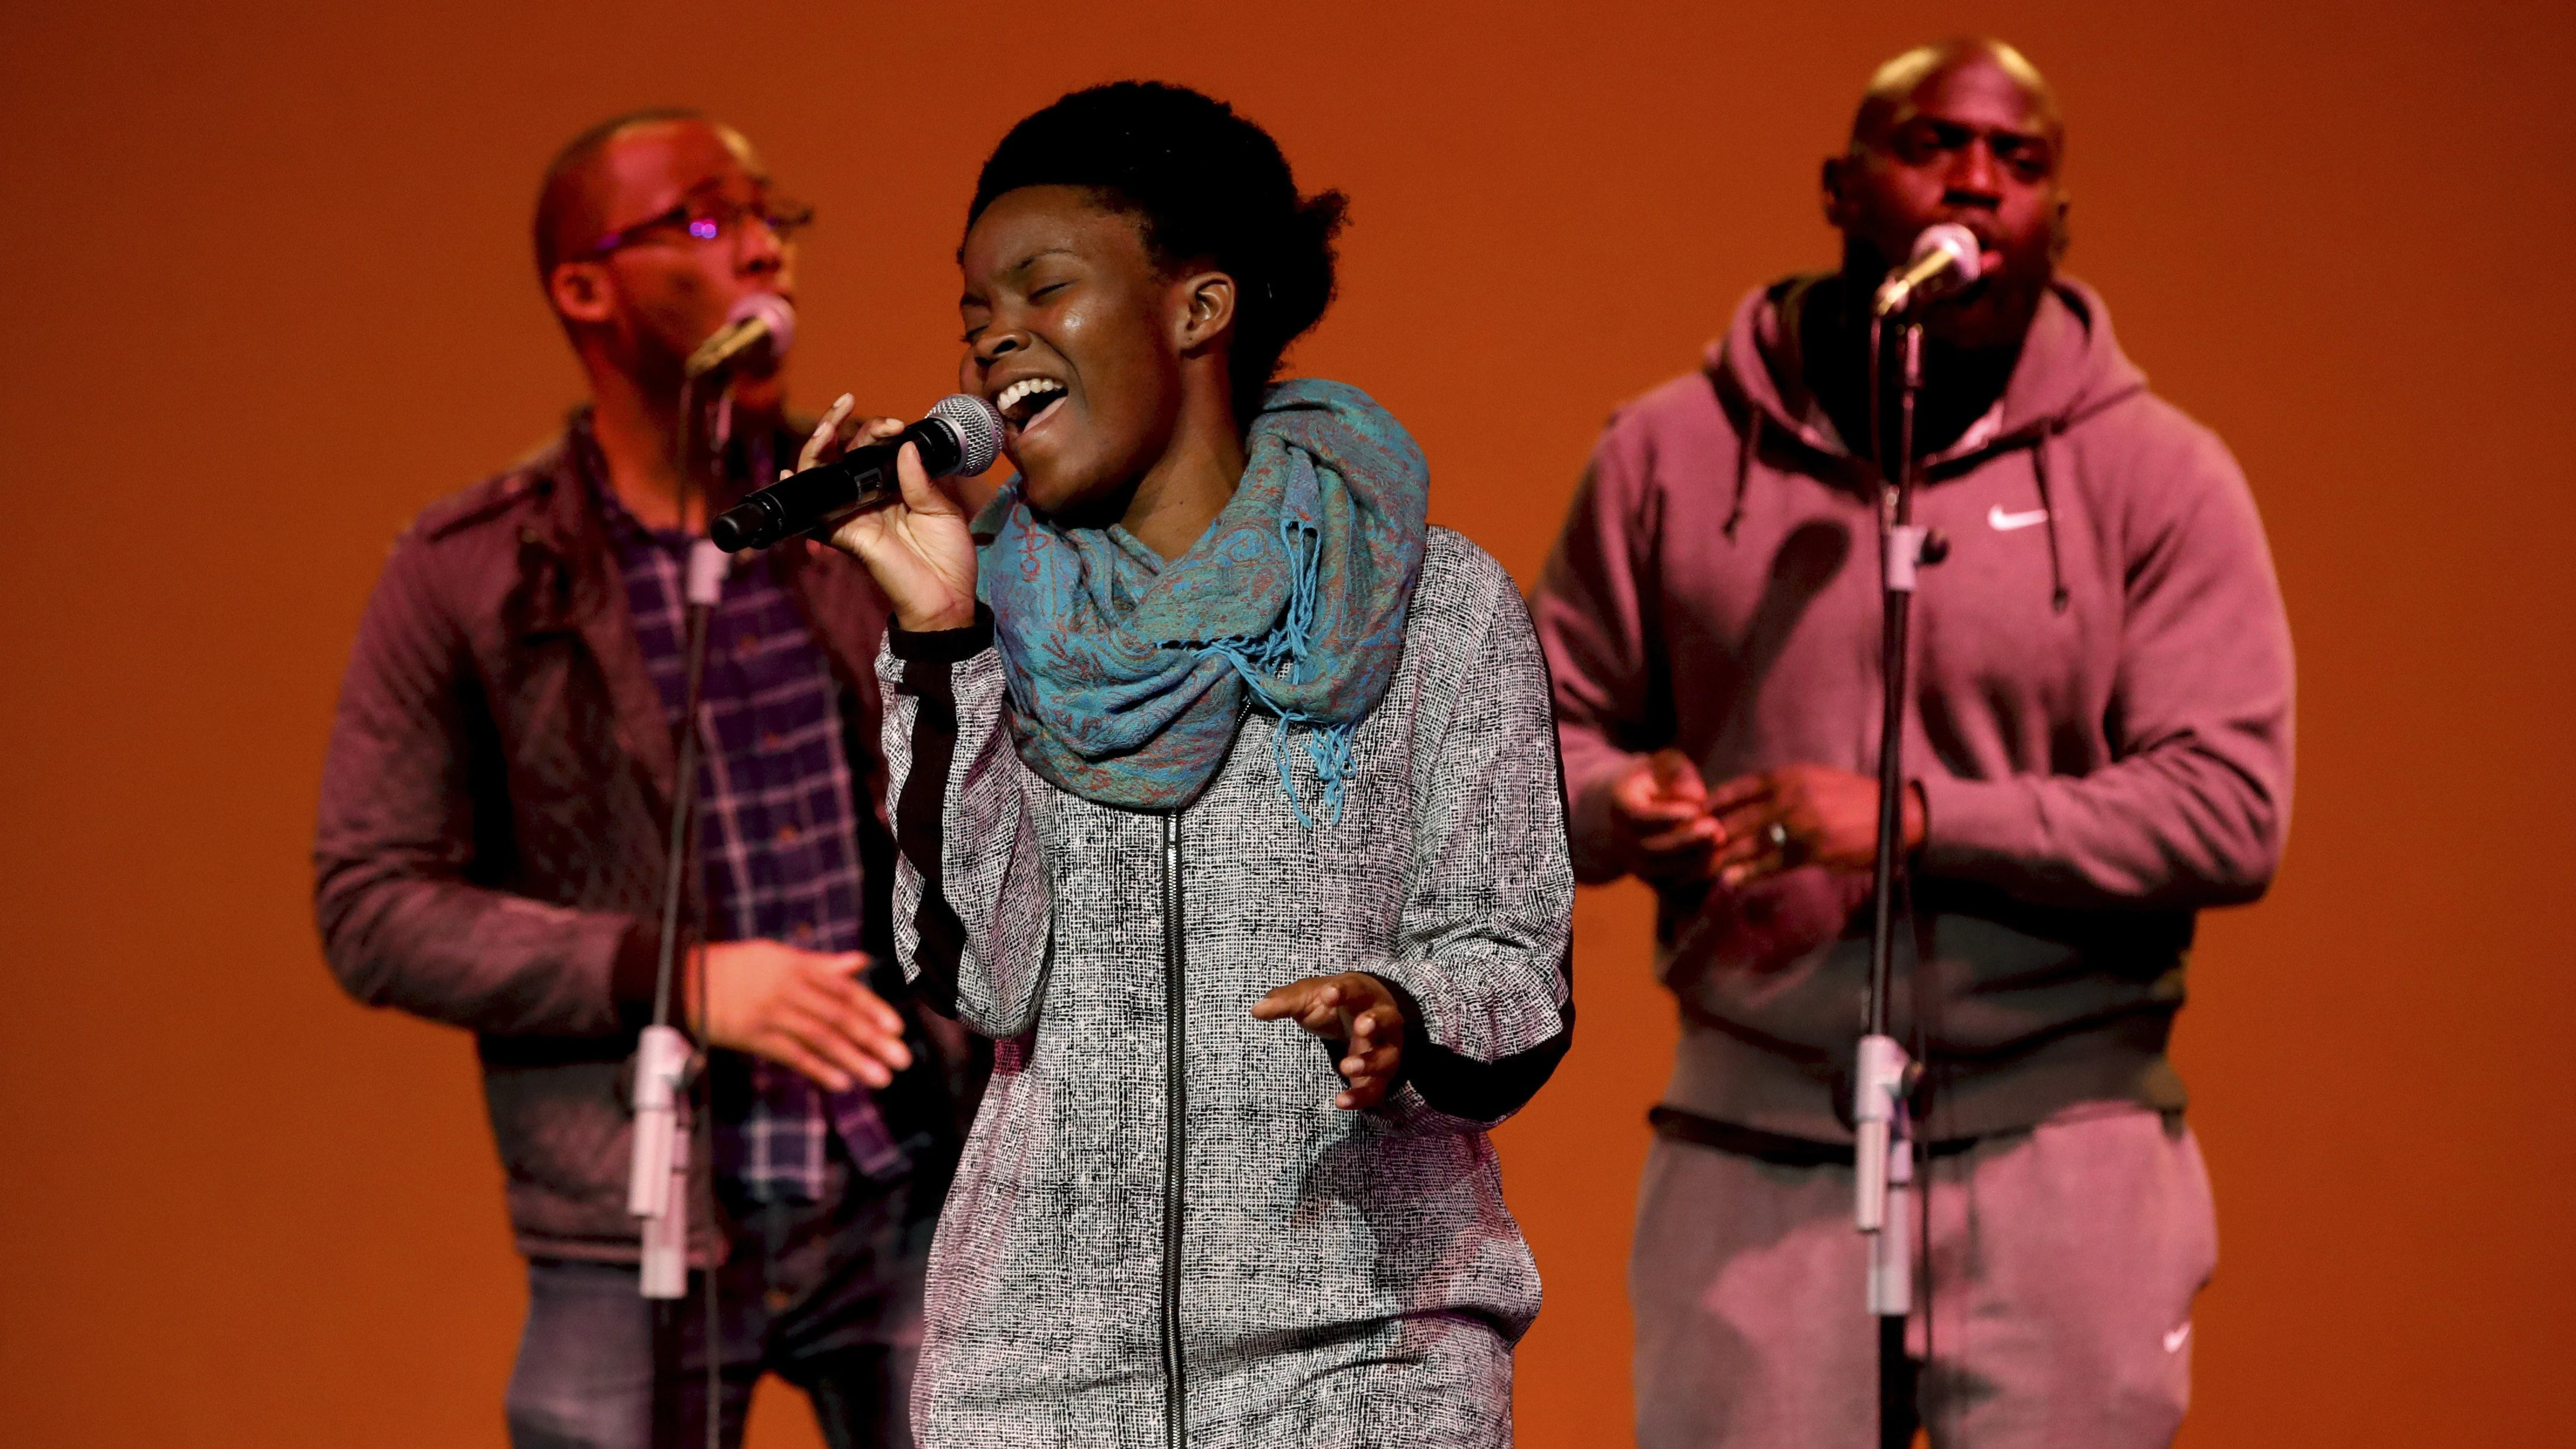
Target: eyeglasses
pixel 706 218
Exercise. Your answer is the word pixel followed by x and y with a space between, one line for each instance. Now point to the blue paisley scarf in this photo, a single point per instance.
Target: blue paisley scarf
pixel 1127 674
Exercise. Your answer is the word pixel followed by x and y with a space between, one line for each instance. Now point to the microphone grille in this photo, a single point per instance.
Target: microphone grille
pixel 1957 240
pixel 978 425
pixel 776 311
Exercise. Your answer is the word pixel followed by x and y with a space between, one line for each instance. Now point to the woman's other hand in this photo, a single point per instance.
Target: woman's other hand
pixel 1356 1012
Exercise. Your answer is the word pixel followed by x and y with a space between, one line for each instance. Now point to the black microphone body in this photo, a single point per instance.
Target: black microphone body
pixel 961 435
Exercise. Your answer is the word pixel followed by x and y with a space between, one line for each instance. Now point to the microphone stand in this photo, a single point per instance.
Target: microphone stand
pixel 1883 1079
pixel 665 1062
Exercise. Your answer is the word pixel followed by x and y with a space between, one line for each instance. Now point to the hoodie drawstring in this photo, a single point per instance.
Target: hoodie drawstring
pixel 1745 454
pixel 2048 515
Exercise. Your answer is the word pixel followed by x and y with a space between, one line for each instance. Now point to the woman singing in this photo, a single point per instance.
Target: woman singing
pixel 1232 816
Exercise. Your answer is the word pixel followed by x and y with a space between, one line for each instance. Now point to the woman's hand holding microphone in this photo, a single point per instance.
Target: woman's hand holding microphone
pixel 918 549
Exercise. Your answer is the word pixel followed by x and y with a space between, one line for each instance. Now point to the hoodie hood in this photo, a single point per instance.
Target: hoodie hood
pixel 2070 369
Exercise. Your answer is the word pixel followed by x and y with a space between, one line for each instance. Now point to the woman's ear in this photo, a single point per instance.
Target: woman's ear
pixel 1203 310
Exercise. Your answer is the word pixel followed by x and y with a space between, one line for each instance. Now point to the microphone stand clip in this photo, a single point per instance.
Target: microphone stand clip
pixel 657 1187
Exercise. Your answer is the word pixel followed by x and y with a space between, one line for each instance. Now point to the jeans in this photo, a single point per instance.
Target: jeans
pixel 825 1295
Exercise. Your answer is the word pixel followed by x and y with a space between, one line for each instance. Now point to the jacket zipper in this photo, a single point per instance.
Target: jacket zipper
pixel 1175 1134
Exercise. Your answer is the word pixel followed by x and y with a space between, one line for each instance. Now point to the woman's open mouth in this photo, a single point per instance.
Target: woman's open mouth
pixel 1025 403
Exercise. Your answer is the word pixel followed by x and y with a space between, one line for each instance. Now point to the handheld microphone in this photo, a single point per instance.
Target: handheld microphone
pixel 763 323
pixel 1946 258
pixel 963 434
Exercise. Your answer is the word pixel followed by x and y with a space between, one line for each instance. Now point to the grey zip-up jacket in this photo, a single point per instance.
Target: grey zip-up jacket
pixel 1163 1230
pixel 2100 717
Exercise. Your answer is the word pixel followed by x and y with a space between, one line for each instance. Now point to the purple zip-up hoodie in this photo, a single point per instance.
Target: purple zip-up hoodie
pixel 2100 717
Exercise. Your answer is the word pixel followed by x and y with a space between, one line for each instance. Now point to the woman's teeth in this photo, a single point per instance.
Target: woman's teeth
pixel 1024 399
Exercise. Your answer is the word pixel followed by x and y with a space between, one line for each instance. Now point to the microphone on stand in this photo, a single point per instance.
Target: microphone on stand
pixel 760 327
pixel 757 332
pixel 1946 258
pixel 963 434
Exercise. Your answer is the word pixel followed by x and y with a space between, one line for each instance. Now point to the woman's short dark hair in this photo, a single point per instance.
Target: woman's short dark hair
pixel 1205 185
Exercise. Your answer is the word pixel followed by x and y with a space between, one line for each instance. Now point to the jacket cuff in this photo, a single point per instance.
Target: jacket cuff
pixel 943 646
pixel 1977 829
pixel 1457 1085
pixel 633 972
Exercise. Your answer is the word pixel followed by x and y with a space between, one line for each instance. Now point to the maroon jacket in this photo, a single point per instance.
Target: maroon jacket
pixel 2100 718
pixel 494 811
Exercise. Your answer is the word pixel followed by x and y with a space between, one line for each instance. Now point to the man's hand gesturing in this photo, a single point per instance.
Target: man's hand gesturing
pixel 1659 820
pixel 1668 826
pixel 1797 815
pixel 801 1009
pixel 1355 1011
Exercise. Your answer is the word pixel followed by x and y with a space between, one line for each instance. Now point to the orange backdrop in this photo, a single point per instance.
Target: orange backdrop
pixel 267 292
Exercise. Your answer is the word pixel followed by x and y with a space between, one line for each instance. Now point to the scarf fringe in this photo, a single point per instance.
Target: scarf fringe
pixel 1285 647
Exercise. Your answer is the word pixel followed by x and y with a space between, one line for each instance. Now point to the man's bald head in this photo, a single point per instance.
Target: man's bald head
pixel 572 200
pixel 1899 86
pixel 650 227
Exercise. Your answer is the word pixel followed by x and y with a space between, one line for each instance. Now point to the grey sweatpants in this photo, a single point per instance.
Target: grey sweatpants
pixel 2064 1264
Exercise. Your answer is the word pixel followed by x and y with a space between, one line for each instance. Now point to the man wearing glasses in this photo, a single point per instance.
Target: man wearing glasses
pixel 492 835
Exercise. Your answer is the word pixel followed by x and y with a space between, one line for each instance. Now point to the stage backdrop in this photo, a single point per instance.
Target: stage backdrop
pixel 268 293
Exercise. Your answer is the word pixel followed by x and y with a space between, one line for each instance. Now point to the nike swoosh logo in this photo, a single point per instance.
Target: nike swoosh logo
pixel 2003 522
pixel 2175 1340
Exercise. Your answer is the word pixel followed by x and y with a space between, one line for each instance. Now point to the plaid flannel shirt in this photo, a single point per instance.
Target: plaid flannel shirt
pixel 777 835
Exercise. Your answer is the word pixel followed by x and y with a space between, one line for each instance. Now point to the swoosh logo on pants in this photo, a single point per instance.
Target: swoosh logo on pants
pixel 2002 522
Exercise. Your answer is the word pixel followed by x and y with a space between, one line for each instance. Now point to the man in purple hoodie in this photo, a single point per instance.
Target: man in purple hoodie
pixel 2097 745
